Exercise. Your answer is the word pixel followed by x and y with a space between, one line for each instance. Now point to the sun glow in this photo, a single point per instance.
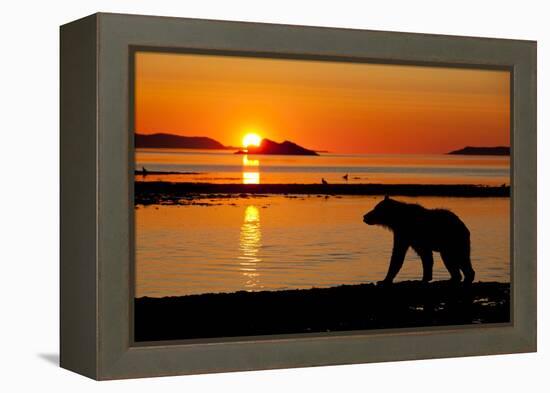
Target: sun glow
pixel 251 139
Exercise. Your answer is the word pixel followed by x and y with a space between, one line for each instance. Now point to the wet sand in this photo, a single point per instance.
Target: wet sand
pixel 147 193
pixel 343 308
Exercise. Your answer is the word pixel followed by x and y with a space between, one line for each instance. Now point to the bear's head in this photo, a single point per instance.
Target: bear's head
pixel 383 213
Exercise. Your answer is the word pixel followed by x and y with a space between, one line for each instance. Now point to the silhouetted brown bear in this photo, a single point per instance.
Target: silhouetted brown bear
pixel 425 230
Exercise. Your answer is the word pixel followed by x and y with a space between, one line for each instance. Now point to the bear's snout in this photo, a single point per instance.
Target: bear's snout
pixel 367 219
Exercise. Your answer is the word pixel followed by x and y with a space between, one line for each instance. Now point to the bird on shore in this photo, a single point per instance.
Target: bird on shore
pixel 144 171
pixel 324 181
pixel 345 177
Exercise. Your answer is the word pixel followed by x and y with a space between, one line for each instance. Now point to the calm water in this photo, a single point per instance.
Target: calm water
pixel 279 242
pixel 226 167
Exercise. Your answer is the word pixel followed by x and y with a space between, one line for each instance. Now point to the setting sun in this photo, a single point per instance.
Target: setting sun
pixel 251 139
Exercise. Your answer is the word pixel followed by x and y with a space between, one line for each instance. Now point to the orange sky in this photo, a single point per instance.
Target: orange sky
pixel 340 107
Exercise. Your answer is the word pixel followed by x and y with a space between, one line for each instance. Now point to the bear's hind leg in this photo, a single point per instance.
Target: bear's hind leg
pixel 452 263
pixel 427 265
pixel 467 270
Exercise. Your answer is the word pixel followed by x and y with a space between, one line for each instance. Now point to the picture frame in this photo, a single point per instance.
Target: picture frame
pixel 97 253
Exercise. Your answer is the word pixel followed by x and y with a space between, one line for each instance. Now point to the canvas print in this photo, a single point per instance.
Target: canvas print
pixel 300 196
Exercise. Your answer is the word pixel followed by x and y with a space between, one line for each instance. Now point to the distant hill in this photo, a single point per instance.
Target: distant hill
pixel 176 141
pixel 483 151
pixel 286 148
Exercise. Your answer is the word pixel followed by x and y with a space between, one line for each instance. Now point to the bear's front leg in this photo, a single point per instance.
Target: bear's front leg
pixel 400 247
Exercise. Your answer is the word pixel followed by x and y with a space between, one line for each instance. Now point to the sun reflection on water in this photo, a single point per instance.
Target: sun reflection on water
pixel 250 243
pixel 251 171
pixel 247 162
pixel 251 178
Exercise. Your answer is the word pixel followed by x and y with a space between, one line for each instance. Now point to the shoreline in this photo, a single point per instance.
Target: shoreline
pixel 147 193
pixel 404 304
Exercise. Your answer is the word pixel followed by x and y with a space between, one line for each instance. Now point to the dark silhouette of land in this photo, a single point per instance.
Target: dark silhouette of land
pixel 163 140
pixel 343 308
pixel 147 193
pixel 424 230
pixel 145 172
pixel 268 146
pixel 483 151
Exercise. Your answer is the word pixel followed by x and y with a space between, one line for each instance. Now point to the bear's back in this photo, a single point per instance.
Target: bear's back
pixel 439 228
pixel 443 218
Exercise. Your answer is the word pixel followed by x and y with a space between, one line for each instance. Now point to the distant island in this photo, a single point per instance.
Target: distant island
pixel 483 151
pixel 176 141
pixel 285 148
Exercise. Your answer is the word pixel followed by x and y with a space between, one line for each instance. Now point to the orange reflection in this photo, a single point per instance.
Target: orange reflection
pixel 247 162
pixel 250 243
pixel 251 177
pixel 251 171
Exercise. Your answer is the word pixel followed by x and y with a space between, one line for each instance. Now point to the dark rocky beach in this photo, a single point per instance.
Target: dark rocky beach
pixel 344 308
